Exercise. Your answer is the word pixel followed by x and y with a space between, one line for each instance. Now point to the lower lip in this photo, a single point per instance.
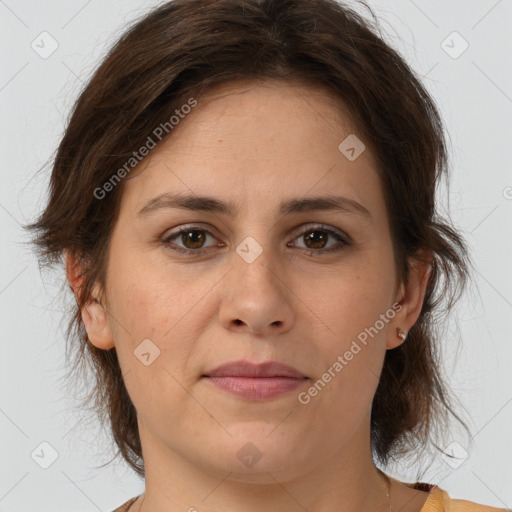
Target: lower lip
pixel 257 389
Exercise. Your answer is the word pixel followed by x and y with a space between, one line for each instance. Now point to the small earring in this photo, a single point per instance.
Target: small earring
pixel 400 333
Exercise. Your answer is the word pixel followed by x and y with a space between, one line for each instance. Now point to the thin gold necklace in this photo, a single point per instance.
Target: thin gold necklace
pixel 386 478
pixel 388 485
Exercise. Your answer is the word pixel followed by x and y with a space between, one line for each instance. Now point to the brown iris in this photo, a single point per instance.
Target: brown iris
pixel 195 240
pixel 318 241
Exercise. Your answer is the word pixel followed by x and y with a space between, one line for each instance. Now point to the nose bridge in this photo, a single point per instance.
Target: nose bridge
pixel 257 263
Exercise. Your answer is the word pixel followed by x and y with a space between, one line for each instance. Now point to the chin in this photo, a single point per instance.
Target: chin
pixel 252 453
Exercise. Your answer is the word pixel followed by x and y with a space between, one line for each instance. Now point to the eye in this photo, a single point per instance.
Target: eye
pixel 316 238
pixel 192 237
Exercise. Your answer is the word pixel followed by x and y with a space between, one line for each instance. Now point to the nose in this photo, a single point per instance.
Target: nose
pixel 256 298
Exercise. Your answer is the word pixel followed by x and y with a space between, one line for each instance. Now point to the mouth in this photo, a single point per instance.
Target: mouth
pixel 256 382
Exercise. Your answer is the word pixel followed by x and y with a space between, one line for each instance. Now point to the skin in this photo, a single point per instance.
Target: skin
pixel 255 144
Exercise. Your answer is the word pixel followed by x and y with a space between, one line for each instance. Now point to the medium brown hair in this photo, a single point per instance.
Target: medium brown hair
pixel 181 49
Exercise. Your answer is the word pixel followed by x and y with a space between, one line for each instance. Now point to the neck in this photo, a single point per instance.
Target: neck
pixel 347 480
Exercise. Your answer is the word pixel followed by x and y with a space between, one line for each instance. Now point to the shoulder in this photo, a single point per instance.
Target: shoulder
pixel 126 506
pixel 470 506
pixel 440 501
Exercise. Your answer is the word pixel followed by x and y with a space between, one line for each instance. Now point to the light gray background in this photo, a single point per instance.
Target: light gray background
pixel 474 92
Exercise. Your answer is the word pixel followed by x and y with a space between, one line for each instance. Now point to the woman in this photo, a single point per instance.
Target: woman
pixel 245 198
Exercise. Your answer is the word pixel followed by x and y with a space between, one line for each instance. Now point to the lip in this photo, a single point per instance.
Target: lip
pixel 256 370
pixel 256 382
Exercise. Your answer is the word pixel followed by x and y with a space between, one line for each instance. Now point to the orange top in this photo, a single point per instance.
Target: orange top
pixel 437 501
pixel 440 501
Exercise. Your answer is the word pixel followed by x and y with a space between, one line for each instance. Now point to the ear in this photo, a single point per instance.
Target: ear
pixel 410 296
pixel 94 314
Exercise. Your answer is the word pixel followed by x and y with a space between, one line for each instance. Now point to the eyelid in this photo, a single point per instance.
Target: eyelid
pixel 176 232
pixel 322 227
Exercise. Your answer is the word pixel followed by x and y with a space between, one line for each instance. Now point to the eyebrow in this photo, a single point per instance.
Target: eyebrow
pixel 213 205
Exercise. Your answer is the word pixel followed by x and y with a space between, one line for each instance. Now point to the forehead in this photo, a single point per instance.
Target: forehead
pixel 245 141
pixel 264 107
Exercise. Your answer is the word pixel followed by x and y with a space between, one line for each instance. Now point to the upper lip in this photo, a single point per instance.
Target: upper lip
pixel 248 369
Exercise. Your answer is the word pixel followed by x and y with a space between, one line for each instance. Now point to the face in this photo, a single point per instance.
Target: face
pixel 261 273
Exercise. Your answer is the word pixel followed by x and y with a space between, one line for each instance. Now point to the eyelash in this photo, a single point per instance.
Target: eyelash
pixel 344 239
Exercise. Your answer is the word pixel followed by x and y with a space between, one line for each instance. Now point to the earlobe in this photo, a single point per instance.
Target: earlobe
pixel 94 315
pixel 396 338
pixel 97 325
pixel 412 296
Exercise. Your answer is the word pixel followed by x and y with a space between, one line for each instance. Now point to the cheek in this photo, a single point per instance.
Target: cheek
pixel 353 310
pixel 152 301
pixel 154 334
pixel 146 294
pixel 351 352
pixel 352 300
